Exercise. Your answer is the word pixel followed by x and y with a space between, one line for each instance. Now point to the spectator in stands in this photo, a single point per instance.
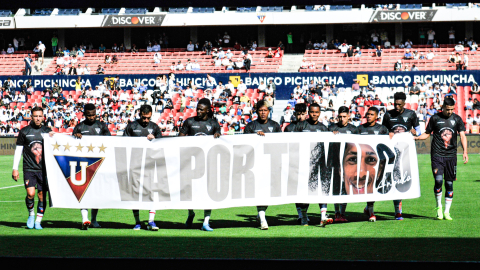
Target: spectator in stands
pixel 247 61
pixel 474 46
pixel 10 49
pixel 134 49
pixel 357 52
pixel 469 104
pixel 458 61
pixel 156 47
pixel 179 66
pixel 451 36
pixel 431 112
pixel 270 53
pixel 343 48
pixel 309 45
pixel 465 61
pixel 28 64
pixel 459 47
pixel 431 37
pixel 290 42
pixel 121 48
pixel 316 45
pixel 107 60
pixel 476 105
pixel 190 46
pixel 435 44
pixel 408 55
pixel 387 44
pixel 375 37
pixel 398 66
pixel 430 55
pixel 469 120
pixel 406 68
pixel 156 58
pixel 414 68
pixel 262 87
pixel 114 47
pixel 72 70
pixel 149 47
pixel 229 54
pixel 451 58
pixel 379 51
pixel 100 70
pixel 408 44
pixel 101 48
pixel 238 64
pixel 3 52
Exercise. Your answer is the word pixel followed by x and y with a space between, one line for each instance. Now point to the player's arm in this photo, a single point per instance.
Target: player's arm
pixel 184 128
pixel 76 132
pixel 106 131
pixel 416 126
pixel 424 136
pixel 18 155
pixel 157 132
pixel 217 133
pixel 463 140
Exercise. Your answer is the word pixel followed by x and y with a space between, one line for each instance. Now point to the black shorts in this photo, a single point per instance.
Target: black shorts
pixel 444 167
pixel 36 180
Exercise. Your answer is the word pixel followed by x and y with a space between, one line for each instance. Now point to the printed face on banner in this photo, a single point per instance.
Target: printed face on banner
pixel 359 168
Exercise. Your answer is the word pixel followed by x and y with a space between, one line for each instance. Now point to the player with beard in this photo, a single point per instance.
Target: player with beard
pixel 30 144
pixel 261 126
pixel 90 127
pixel 312 125
pixel 143 127
pixel 400 120
pixel 300 115
pixel 371 127
pixel 201 125
pixel 445 127
pixel 345 128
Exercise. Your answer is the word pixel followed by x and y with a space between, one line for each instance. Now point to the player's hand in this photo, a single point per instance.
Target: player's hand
pixel 260 133
pixel 414 132
pixel 216 135
pixel 51 133
pixel 150 137
pixel 77 135
pixel 16 175
pixel 335 132
pixel 465 158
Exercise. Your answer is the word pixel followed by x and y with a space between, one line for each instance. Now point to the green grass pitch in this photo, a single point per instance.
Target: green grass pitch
pixel 418 238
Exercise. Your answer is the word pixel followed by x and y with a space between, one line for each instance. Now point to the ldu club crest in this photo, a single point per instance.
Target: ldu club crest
pixel 79 172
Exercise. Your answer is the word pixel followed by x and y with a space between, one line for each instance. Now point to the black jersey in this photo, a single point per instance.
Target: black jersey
pixel 445 131
pixel 400 122
pixel 306 126
pixel 30 137
pixel 291 127
pixel 135 129
pixel 196 127
pixel 269 127
pixel 96 129
pixel 348 129
pixel 377 129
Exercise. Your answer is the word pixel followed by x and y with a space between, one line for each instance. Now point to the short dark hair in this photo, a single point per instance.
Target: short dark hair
pixel 399 96
pixel 449 101
pixel 37 109
pixel 89 107
pixel 145 109
pixel 205 101
pixel 315 105
pixel 300 107
pixel 343 109
pixel 373 109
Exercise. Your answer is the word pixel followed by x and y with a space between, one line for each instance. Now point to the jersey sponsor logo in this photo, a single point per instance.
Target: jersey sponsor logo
pixel 440 122
pixel 364 133
pixel 270 128
pixel 79 172
pixel 305 130
pixel 452 122
pixel 30 136
pixel 405 119
pixel 195 126
pixel 208 127
pixel 136 130
pixel 97 130
pixel 85 131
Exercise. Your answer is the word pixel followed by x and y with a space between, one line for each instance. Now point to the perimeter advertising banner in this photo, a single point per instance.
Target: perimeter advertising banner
pixel 285 82
pixel 132 20
pixel 246 170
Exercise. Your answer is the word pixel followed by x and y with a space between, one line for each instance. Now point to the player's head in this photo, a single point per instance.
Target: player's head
pixel 300 111
pixel 371 115
pixel 343 115
pixel 314 112
pixel 262 110
pixel 399 101
pixel 366 176
pixel 204 108
pixel 145 114
pixel 90 112
pixel 37 116
pixel 448 106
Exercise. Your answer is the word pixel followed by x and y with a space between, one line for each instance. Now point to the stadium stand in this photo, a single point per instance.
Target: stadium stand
pixel 336 61
pixel 43 12
pixel 13 64
pixel 5 13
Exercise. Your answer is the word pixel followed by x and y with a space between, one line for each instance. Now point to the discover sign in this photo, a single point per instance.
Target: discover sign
pixel 132 20
pixel 403 16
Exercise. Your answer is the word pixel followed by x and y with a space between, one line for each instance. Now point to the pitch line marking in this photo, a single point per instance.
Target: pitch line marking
pixel 11 186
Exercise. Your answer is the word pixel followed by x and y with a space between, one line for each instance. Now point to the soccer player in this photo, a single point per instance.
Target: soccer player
pixel 312 125
pixel 261 126
pixel 371 127
pixel 300 115
pixel 30 144
pixel 400 120
pixel 445 127
pixel 201 125
pixel 143 127
pixel 342 127
pixel 90 127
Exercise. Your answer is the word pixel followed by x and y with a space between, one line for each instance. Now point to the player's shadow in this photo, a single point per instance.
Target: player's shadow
pixel 67 224
pixel 391 215
pixel 476 180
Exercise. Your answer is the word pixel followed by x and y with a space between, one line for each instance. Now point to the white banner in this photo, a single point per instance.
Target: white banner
pixel 232 171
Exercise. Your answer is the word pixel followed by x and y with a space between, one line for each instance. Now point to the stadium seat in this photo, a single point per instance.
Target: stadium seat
pixel 5 13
